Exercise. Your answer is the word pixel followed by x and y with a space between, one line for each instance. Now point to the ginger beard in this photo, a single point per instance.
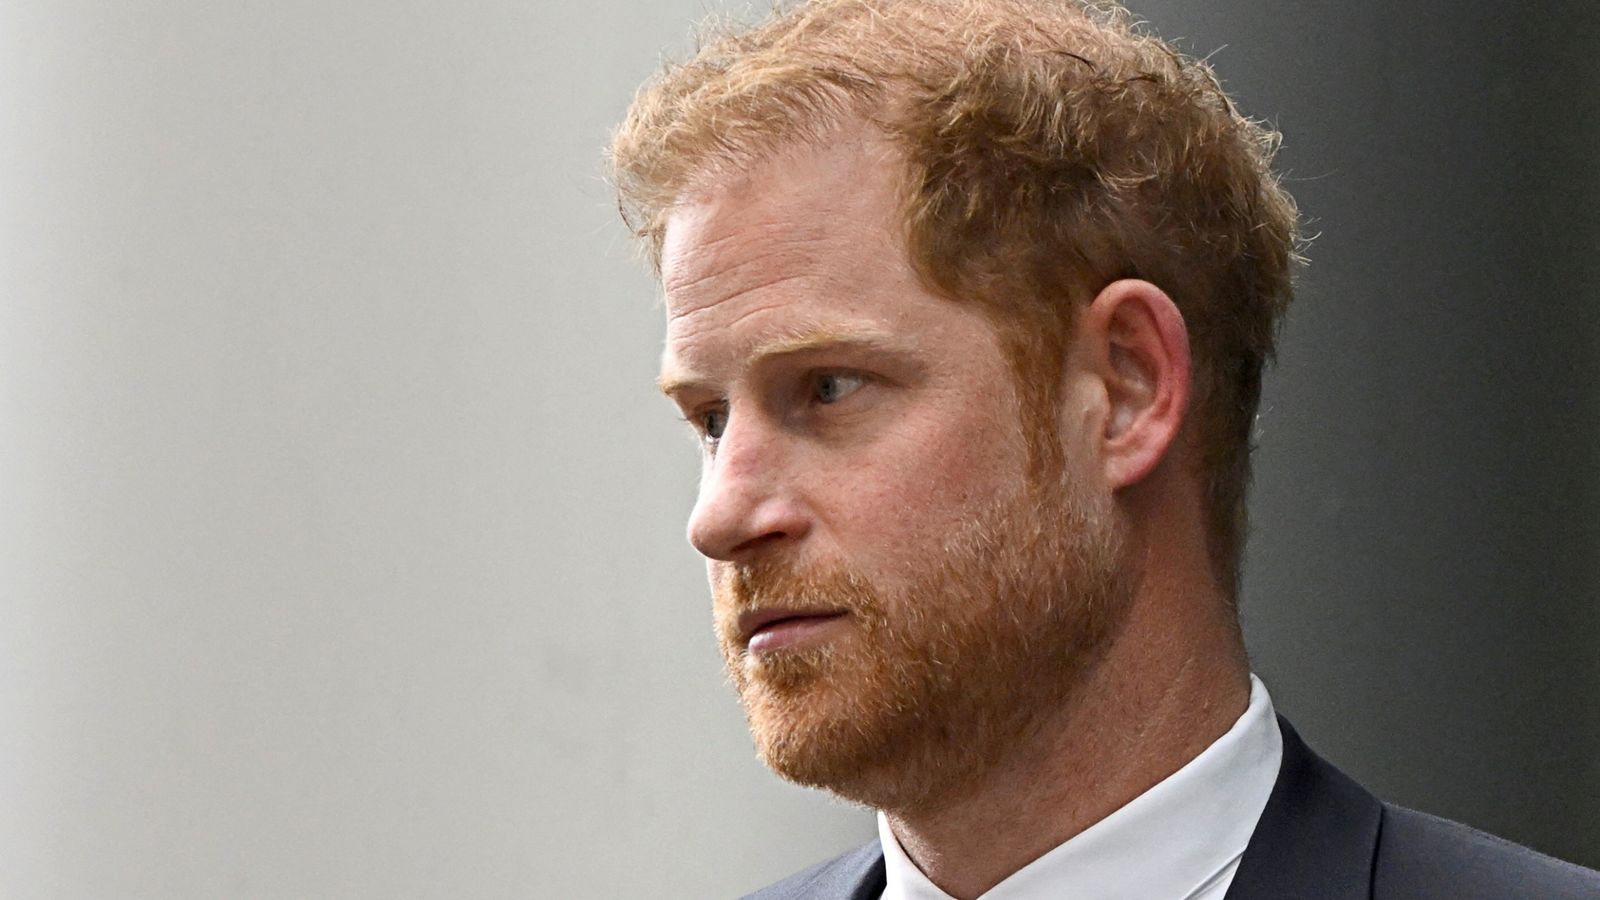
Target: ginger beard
pixel 935 680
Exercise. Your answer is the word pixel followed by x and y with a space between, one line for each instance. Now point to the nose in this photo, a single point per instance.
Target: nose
pixel 744 508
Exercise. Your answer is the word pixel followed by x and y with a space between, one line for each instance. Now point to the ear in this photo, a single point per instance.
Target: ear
pixel 1135 346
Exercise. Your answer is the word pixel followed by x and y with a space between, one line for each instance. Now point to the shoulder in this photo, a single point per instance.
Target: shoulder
pixel 856 875
pixel 1322 835
pixel 1422 856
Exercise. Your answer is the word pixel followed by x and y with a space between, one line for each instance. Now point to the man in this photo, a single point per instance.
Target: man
pixel 968 302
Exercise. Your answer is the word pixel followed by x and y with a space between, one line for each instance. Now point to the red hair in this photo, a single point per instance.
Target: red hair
pixel 1050 148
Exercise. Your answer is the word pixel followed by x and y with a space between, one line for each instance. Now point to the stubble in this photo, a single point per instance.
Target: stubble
pixel 937 679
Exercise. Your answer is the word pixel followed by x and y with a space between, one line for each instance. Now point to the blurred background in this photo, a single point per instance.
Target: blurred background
pixel 341 541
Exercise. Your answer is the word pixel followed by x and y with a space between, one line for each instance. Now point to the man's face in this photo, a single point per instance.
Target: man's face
pixel 897 600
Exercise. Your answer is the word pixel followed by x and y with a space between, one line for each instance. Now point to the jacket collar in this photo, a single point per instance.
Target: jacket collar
pixel 857 875
pixel 1317 838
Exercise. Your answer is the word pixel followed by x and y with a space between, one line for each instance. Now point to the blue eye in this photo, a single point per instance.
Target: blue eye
pixel 713 423
pixel 831 387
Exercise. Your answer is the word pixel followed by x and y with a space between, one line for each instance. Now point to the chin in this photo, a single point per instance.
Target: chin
pixel 821 750
pixel 829 720
pixel 813 719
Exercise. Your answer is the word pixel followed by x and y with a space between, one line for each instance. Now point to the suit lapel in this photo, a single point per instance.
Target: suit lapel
pixel 1317 836
pixel 857 875
pixel 869 879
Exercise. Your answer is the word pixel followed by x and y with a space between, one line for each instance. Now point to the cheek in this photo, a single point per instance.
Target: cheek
pixel 916 492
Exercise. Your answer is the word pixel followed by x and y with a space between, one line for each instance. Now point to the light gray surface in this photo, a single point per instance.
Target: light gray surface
pixel 341 551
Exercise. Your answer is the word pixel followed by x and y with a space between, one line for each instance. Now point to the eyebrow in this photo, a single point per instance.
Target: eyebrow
pixel 803 341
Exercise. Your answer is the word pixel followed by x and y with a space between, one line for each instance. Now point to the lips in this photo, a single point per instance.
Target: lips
pixel 753 623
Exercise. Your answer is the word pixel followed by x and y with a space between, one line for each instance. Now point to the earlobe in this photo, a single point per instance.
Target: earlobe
pixel 1140 346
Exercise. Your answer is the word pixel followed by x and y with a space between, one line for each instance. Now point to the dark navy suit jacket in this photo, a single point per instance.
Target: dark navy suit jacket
pixel 1321 837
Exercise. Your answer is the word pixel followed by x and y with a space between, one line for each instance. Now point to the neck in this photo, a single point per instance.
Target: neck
pixel 1164 693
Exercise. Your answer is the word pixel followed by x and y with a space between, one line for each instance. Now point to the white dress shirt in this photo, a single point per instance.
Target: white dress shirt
pixel 1180 840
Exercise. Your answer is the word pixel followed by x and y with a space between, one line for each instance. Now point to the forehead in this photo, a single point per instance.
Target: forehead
pixel 812 213
pixel 802 249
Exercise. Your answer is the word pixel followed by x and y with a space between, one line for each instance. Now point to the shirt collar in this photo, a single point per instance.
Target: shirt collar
pixel 1167 842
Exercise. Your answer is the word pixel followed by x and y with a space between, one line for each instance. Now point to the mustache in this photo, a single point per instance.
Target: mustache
pixel 742 588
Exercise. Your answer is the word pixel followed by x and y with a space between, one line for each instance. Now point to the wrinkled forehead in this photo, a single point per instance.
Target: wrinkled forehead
pixel 723 247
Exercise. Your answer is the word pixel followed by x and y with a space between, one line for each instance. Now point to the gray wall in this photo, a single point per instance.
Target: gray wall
pixel 342 554
pixel 342 550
